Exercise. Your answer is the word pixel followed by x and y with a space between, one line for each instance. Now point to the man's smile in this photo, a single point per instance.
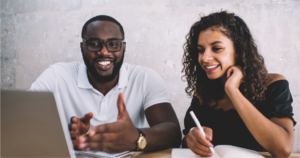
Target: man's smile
pixel 104 65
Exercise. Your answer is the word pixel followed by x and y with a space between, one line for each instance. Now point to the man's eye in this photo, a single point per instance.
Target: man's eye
pixel 113 44
pixel 93 44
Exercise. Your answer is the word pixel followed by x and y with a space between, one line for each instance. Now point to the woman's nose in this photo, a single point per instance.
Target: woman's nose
pixel 207 56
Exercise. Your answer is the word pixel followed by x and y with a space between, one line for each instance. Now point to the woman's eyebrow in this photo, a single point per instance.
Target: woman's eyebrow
pixel 215 42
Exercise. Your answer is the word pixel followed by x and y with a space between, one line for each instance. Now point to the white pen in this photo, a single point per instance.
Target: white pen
pixel 200 128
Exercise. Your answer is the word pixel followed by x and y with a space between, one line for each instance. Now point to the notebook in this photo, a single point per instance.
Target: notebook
pixel 228 151
pixel 33 126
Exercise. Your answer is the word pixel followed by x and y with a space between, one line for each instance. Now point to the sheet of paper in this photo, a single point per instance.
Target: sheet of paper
pixel 187 153
pixel 234 152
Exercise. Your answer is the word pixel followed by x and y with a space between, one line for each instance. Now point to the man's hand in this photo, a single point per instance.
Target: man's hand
pixel 198 143
pixel 78 127
pixel 113 137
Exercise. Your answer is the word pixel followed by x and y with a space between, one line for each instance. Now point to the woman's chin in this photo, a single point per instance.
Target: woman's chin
pixel 213 77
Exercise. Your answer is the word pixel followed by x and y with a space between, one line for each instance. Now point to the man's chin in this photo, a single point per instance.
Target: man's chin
pixel 104 77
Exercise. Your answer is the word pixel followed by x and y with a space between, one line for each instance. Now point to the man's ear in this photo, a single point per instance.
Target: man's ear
pixel 124 47
pixel 81 46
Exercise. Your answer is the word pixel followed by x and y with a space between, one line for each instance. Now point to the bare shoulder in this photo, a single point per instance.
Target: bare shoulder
pixel 272 77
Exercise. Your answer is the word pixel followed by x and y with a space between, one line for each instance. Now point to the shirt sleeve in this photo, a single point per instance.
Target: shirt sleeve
pixel 155 91
pixel 188 120
pixel 279 100
pixel 45 82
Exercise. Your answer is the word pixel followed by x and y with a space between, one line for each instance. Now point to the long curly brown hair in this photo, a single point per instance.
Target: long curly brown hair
pixel 253 84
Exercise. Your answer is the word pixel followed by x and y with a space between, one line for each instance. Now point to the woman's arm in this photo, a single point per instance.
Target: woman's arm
pixel 276 135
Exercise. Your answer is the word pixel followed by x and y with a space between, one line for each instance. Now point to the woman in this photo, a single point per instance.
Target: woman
pixel 236 101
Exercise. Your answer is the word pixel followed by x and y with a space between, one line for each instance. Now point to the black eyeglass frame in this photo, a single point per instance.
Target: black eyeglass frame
pixel 104 43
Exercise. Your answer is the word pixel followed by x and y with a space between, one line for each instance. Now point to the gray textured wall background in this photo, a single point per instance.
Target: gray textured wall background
pixel 38 33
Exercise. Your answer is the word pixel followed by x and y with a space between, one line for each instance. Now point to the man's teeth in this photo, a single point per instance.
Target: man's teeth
pixel 211 67
pixel 104 62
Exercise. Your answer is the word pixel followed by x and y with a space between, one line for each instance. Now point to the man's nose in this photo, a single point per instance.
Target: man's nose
pixel 103 51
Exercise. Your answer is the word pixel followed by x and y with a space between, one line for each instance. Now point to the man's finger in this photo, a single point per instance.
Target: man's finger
pixel 104 137
pixel 73 119
pixel 87 117
pixel 106 128
pixel 70 126
pixel 121 107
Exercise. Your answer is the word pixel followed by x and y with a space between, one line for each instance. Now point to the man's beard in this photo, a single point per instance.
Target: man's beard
pixel 91 69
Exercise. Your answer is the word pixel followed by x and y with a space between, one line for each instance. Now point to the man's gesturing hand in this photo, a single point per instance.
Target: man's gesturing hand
pixel 78 127
pixel 113 137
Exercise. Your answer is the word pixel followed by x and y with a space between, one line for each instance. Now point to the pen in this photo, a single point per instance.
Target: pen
pixel 200 128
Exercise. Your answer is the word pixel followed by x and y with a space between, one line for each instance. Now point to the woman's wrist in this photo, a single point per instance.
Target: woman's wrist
pixel 231 91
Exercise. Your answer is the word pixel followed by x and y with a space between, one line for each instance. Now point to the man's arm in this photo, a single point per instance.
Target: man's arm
pixel 164 131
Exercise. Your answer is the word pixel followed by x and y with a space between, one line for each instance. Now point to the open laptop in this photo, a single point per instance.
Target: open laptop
pixel 33 126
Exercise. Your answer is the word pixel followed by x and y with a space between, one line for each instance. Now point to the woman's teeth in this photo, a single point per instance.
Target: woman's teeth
pixel 211 67
pixel 104 62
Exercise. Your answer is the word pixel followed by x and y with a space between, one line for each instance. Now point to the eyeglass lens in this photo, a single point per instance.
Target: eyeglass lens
pixel 94 45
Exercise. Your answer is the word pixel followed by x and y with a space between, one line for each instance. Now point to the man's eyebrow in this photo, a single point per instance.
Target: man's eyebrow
pixel 114 38
pixel 92 38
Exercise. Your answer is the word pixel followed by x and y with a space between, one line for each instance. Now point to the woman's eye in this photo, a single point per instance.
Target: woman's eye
pixel 201 51
pixel 216 48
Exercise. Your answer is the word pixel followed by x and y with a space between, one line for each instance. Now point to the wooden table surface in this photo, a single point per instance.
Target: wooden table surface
pixel 167 154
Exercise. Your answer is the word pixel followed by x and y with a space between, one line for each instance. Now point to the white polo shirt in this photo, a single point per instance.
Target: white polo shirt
pixel 142 88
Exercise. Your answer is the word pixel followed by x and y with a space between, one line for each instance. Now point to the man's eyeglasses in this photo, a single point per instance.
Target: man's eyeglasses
pixel 95 45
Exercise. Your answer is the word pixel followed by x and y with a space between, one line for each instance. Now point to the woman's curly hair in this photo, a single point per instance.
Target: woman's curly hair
pixel 253 84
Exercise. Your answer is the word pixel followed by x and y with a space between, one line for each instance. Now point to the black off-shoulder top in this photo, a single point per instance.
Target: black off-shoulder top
pixel 229 128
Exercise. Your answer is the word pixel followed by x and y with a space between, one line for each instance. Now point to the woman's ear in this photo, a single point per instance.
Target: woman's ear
pixel 237 59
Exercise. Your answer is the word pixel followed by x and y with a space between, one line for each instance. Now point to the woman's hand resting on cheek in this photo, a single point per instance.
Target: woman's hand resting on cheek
pixel 234 78
pixel 198 143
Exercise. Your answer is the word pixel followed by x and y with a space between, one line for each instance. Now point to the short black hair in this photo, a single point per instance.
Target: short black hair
pixel 102 18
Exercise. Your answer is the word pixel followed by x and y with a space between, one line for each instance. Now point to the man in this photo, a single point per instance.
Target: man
pixel 111 98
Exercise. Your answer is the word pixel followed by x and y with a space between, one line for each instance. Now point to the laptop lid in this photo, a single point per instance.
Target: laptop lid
pixel 33 126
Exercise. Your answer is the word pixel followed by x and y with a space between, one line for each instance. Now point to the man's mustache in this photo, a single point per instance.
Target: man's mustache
pixel 95 60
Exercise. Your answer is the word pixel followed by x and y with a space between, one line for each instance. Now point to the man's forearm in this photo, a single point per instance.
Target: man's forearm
pixel 162 136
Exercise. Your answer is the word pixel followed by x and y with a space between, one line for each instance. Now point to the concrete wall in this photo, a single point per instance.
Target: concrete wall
pixel 38 33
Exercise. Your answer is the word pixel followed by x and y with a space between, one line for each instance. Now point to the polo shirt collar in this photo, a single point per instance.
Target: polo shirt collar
pixel 123 77
pixel 82 78
pixel 83 81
